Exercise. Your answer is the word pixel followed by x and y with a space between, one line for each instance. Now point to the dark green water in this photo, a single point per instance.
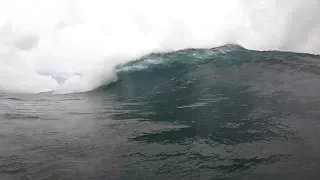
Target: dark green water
pixel 223 113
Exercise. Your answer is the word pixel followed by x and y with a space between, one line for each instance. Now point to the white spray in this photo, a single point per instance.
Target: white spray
pixel 74 45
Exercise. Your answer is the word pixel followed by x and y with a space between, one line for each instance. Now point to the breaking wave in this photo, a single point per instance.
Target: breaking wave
pixel 67 46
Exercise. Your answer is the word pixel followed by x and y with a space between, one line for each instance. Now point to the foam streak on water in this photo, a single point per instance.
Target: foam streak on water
pixel 74 45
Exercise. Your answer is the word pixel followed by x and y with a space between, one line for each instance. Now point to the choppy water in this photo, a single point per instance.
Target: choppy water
pixel 223 113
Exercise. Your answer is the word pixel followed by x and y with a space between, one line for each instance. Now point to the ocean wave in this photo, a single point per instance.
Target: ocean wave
pixel 68 46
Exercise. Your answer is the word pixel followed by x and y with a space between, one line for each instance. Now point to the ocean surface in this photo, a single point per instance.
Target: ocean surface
pixel 220 113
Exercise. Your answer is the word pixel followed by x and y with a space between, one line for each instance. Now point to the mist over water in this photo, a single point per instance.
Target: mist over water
pixel 74 46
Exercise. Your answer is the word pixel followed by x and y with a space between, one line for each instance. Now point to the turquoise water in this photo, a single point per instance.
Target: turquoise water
pixel 221 113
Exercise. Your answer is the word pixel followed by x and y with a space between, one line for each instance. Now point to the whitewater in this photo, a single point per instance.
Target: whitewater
pixel 67 46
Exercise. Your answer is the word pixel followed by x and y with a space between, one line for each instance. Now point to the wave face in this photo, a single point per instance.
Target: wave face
pixel 199 70
pixel 69 46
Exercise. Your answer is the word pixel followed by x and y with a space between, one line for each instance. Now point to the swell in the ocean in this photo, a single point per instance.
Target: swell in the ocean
pixel 69 46
pixel 158 68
